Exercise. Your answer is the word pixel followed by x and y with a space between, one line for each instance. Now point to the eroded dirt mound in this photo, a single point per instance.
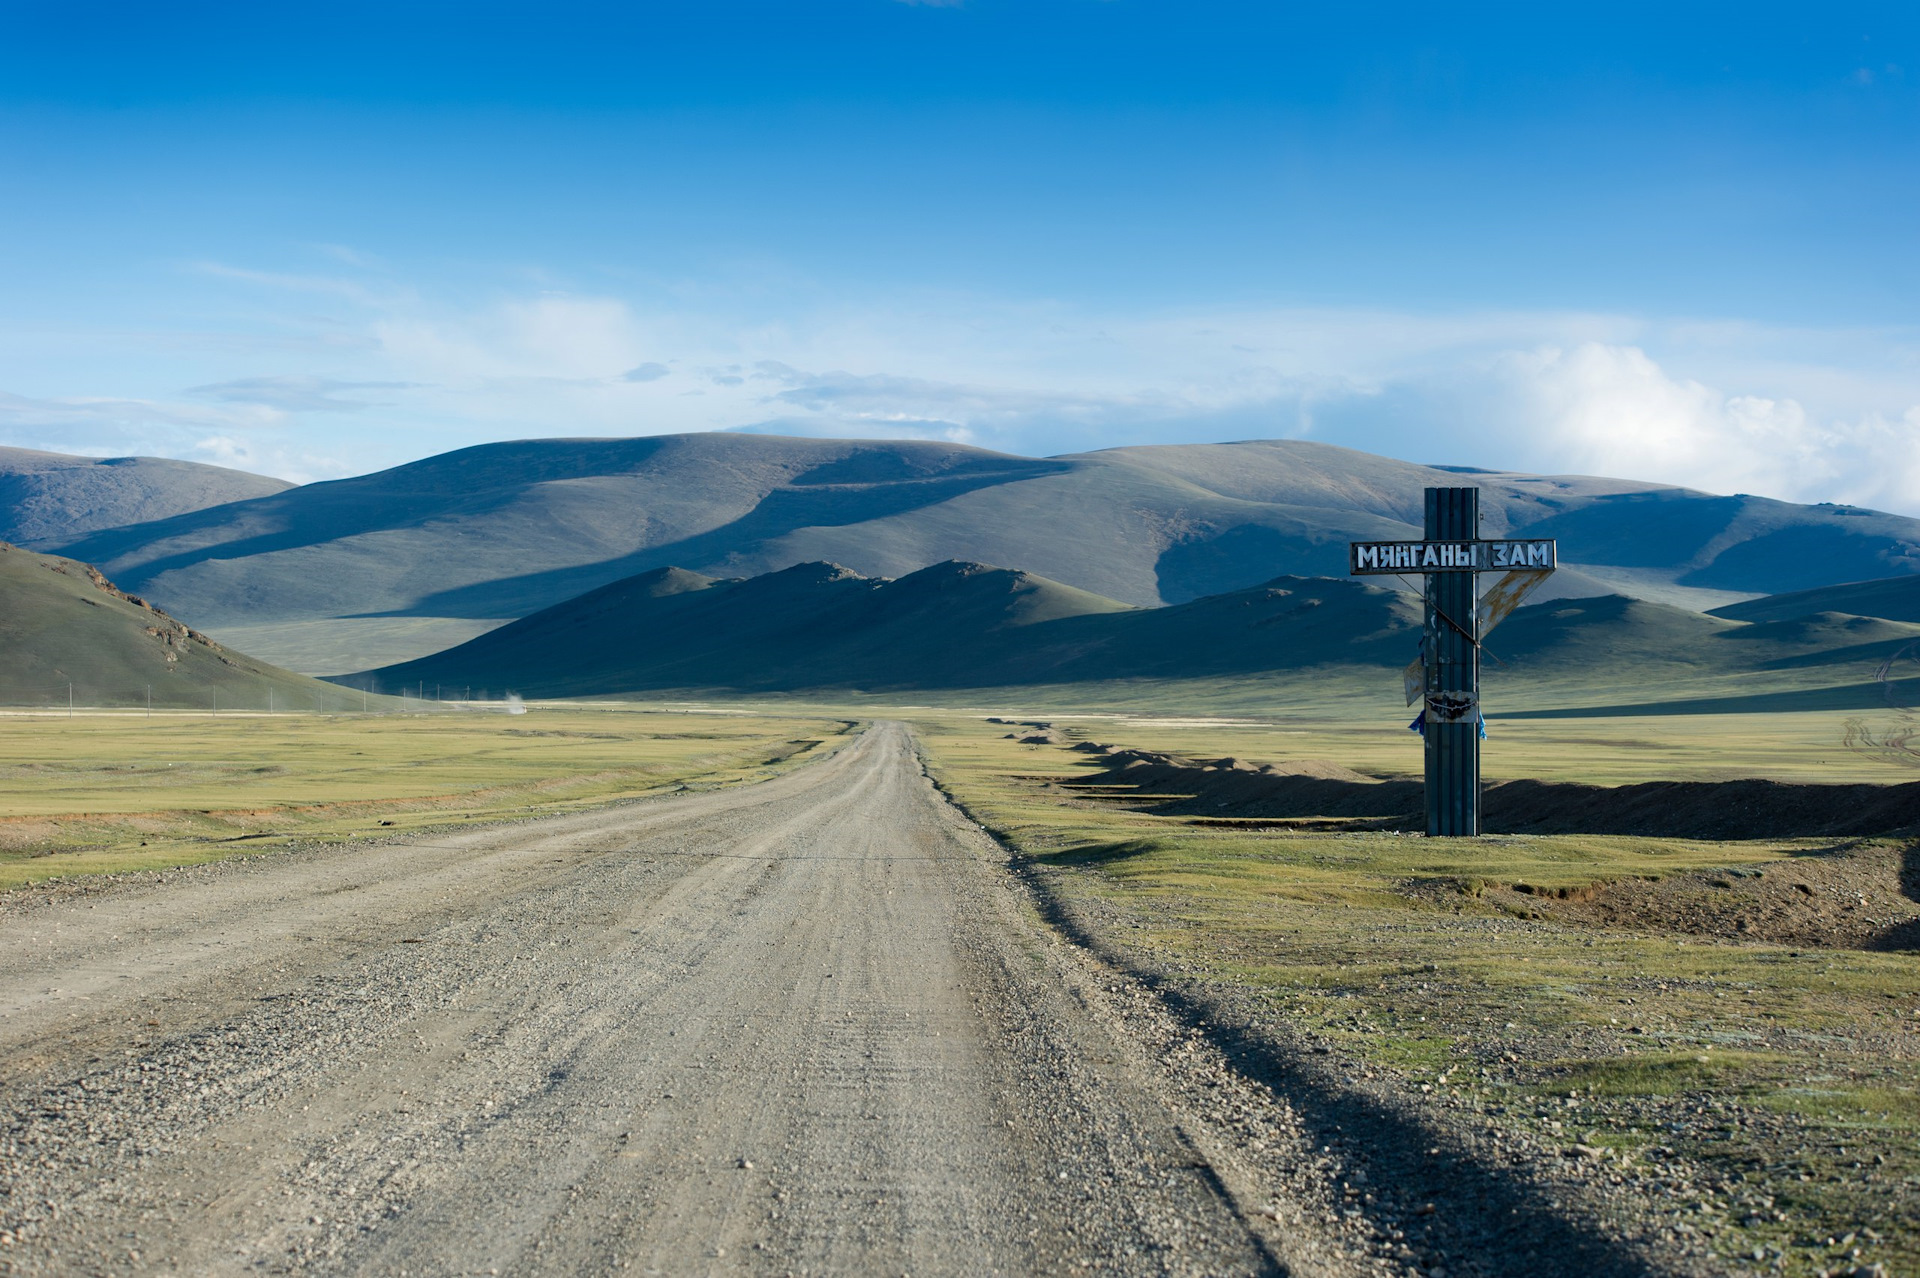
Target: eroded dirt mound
pixel 1750 809
pixel 1856 895
pixel 1849 898
pixel 1038 732
pixel 1235 788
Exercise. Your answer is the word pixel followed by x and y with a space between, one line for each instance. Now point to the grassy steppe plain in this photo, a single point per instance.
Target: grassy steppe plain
pixel 105 793
pixel 1763 1098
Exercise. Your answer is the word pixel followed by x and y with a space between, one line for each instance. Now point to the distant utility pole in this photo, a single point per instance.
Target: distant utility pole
pixel 363 699
pixel 69 701
pixel 269 700
pixel 216 701
pixel 149 701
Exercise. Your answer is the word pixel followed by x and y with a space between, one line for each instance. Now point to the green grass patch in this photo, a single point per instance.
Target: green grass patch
pixel 113 793
pixel 1862 1104
pixel 1415 957
pixel 1653 1074
pixel 1413 1054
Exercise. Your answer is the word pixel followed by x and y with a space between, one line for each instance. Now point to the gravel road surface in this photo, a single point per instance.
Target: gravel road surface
pixel 808 1026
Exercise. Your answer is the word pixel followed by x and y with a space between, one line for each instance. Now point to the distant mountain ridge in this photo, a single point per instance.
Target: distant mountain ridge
pixel 49 498
pixel 503 530
pixel 820 626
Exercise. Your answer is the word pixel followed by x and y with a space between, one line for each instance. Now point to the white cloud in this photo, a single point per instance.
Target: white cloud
pixel 352 290
pixel 392 374
pixel 266 456
pixel 246 436
pixel 832 427
pixel 1592 407
pixel 294 394
pixel 554 337
pixel 1613 410
pixel 77 417
pixel 347 254
pixel 1027 418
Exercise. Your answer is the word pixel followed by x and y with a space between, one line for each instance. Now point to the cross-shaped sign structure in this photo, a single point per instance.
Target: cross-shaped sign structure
pixel 1457 617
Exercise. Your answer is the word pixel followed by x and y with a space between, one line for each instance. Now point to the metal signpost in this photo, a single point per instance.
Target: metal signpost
pixel 1447 674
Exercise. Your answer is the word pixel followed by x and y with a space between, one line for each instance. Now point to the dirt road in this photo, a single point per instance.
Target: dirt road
pixel 805 1026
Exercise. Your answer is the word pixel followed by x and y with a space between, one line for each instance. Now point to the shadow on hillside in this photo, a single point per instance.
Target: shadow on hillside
pixel 1901 938
pixel 779 514
pixel 1242 556
pixel 1496 1217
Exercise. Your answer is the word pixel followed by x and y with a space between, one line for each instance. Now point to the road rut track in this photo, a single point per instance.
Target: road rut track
pixel 808 1026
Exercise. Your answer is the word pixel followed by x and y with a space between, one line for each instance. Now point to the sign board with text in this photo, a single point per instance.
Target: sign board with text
pixel 1382 558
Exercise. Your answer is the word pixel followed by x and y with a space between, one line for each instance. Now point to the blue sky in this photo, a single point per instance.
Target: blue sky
pixel 1674 242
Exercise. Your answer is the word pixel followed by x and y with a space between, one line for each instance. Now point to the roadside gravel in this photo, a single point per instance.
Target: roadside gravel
pixel 809 1026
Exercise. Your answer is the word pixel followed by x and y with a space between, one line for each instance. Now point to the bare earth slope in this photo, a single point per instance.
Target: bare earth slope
pixel 1752 808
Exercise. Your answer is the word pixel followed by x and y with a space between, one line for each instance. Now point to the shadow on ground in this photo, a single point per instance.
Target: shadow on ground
pixel 1490 1218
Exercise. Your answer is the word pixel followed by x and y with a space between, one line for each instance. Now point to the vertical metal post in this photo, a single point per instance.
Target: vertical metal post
pixel 1453 675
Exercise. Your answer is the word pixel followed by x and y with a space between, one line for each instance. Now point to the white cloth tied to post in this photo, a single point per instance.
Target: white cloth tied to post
pixel 1501 599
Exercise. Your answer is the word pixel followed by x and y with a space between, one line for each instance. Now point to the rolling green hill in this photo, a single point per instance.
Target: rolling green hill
pixel 961 625
pixel 48 498
pixel 441 548
pixel 66 628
